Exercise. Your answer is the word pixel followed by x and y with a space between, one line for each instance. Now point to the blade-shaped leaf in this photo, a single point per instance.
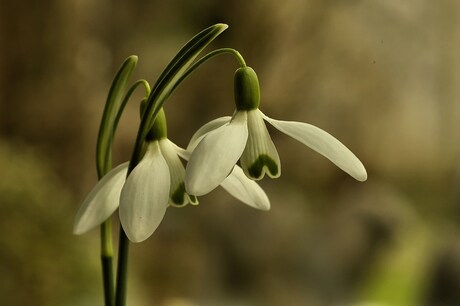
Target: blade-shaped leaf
pixel 112 106
pixel 168 80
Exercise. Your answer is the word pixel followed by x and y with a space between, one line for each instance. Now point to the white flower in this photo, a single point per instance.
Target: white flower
pixel 154 184
pixel 245 137
pixel 142 198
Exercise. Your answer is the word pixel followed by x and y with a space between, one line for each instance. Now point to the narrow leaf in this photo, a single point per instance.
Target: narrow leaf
pixel 168 79
pixel 112 106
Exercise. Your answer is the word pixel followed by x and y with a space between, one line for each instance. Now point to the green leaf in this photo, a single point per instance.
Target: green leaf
pixel 110 114
pixel 167 81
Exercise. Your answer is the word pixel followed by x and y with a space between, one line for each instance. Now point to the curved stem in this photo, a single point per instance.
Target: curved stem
pixel 209 56
pixel 128 96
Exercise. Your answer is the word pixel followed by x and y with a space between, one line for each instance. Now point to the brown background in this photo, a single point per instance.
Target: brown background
pixel 381 76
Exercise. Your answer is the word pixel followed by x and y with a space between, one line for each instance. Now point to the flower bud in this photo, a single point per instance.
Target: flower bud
pixel 247 91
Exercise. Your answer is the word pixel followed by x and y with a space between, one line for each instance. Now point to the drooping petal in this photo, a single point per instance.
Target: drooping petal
pixel 184 154
pixel 260 155
pixel 202 131
pixel 216 155
pixel 238 185
pixel 323 143
pixel 144 197
pixel 177 195
pixel 246 190
pixel 102 201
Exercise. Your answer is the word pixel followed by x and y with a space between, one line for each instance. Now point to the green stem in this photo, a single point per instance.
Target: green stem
pixel 107 261
pixel 122 271
pixel 128 96
pixel 209 56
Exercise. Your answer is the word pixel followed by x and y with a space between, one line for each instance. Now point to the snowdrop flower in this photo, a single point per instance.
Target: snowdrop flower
pixel 154 184
pixel 245 137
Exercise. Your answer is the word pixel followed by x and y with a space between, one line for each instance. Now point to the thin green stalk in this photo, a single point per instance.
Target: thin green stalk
pixel 107 261
pixel 209 56
pixel 122 269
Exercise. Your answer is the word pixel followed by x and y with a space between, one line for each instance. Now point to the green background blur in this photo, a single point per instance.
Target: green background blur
pixel 381 76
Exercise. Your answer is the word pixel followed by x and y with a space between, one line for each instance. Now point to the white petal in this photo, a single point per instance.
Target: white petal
pixel 208 127
pixel 145 195
pixel 102 201
pixel 177 195
pixel 246 190
pixel 260 155
pixel 184 154
pixel 323 143
pixel 216 155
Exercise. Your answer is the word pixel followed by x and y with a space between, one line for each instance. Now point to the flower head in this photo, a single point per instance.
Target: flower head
pixel 154 184
pixel 245 137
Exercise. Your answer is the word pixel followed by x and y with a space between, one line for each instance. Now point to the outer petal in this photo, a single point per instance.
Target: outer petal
pixel 323 143
pixel 208 127
pixel 177 195
pixel 260 155
pixel 238 185
pixel 246 190
pixel 216 155
pixel 102 201
pixel 144 197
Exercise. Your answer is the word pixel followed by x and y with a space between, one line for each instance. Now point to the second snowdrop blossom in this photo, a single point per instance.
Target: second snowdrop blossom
pixel 245 137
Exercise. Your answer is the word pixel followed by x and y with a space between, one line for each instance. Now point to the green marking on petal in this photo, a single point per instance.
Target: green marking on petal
pixel 256 170
pixel 178 196
pixel 193 200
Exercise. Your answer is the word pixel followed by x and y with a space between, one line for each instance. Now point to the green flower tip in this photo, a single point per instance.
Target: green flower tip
pixel 262 165
pixel 178 197
pixel 158 130
pixel 247 91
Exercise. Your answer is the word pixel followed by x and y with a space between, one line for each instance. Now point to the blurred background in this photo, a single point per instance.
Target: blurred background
pixel 381 76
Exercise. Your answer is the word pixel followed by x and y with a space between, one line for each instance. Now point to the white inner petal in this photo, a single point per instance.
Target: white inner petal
pixel 260 155
pixel 177 196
